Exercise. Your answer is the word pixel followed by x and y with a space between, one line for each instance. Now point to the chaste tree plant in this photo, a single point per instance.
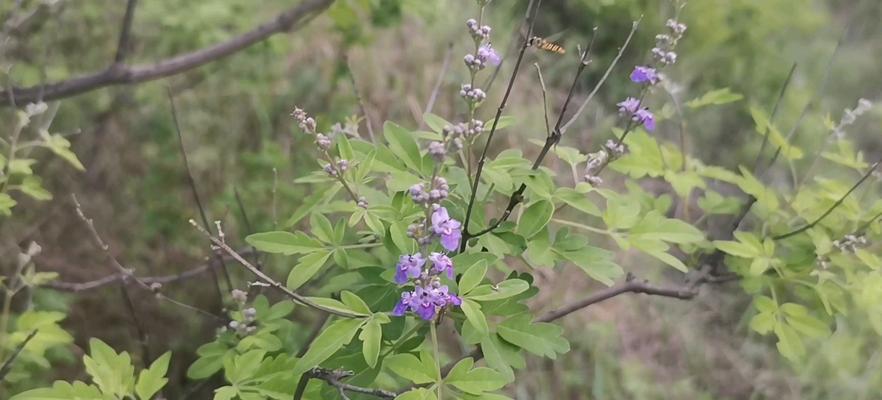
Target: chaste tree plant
pixel 422 239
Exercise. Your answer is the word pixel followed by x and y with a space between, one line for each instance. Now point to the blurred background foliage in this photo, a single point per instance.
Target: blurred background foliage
pixel 238 136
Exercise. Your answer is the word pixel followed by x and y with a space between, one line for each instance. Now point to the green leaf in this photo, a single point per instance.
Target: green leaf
pixel 715 97
pixel 577 200
pixel 754 187
pixel 152 379
pixel 476 381
pixel 503 290
pixel 417 394
pixel 472 311
pixel 61 147
pixel 789 343
pixel 371 335
pixel 472 277
pixel 534 218
pixel 61 390
pixel 306 268
pixel 112 372
pixel 333 338
pixel 283 242
pixel 764 126
pixel 334 305
pixel 539 338
pixel 6 204
pixel 33 186
pixel 596 262
pixel 435 122
pixel 654 226
pixel 322 228
pixel 798 317
pixel 622 211
pixel 402 144
pixel 354 302
pixel 411 368
pixel 659 250
pixel 505 121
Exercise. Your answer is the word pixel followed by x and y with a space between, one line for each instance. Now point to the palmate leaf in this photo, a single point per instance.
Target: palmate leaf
pixel 332 338
pixel 283 242
pixel 474 380
pixel 64 391
pixel 539 338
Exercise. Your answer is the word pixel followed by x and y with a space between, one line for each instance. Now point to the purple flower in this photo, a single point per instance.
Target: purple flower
pixel 645 117
pixel 409 266
pixel 487 53
pixel 441 264
pixel 642 74
pixel 450 230
pixel 425 301
pixel 629 106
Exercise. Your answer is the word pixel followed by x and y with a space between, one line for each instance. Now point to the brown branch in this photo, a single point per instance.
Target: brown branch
pixel 7 365
pixel 76 287
pixel 121 74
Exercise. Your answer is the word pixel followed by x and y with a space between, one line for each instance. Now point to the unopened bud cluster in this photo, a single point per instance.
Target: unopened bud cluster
pixel 334 166
pixel 472 95
pixel 850 243
pixel 246 323
pixel 439 191
pixel 665 43
pixel 477 31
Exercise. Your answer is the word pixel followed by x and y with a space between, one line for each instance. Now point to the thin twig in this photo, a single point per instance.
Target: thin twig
pixel 832 208
pixel 358 98
pixel 552 138
pixel 334 378
pixel 192 183
pixel 286 21
pixel 270 281
pixel 531 18
pixel 122 47
pixel 106 280
pixel 7 365
pixel 544 98
pixel 767 132
pixel 154 288
pixel 603 79
pixel 430 104
pixel 139 327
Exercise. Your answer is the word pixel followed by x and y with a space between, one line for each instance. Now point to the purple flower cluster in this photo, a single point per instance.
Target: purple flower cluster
pixel 429 295
pixel 664 54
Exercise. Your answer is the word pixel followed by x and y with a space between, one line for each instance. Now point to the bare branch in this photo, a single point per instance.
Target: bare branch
pixel 7 365
pixel 127 273
pixel 287 21
pixel 150 280
pixel 606 74
pixel 781 93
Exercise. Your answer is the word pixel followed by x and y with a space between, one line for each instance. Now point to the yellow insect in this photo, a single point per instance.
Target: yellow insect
pixel 546 45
